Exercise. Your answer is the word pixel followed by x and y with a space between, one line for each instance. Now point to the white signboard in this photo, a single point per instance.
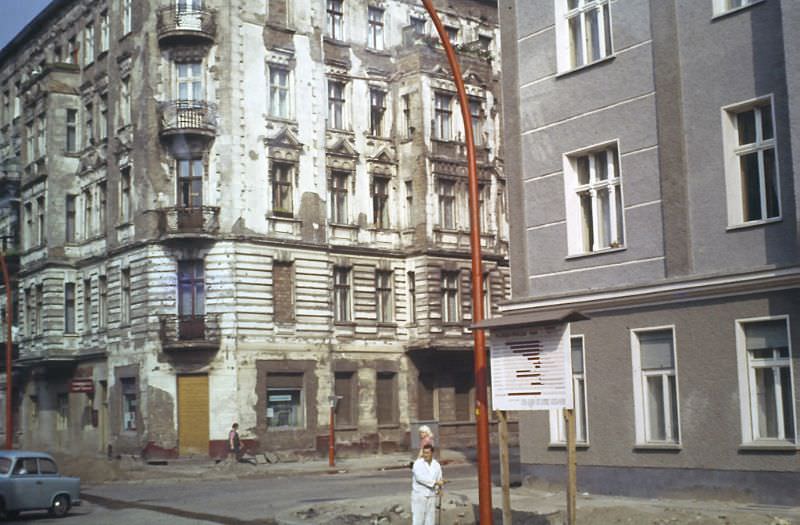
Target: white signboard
pixel 531 368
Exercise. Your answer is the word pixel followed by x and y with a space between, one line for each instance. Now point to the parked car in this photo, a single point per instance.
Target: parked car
pixel 30 481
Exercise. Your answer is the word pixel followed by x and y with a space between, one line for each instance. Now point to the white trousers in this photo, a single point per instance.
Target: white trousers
pixel 423 509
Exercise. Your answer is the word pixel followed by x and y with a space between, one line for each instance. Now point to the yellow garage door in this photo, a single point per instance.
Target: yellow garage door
pixel 193 415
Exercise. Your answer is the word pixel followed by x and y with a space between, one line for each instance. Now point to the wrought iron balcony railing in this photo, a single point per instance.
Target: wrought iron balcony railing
pixel 188 332
pixel 180 25
pixel 199 220
pixel 188 117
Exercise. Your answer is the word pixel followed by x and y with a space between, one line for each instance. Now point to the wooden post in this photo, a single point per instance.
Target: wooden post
pixel 569 416
pixel 505 477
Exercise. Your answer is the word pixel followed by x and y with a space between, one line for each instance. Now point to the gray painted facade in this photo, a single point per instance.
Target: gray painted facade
pixel 704 246
pixel 180 251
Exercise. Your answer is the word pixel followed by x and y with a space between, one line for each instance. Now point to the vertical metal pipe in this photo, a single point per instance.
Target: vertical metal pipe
pixel 9 347
pixel 481 406
pixel 332 438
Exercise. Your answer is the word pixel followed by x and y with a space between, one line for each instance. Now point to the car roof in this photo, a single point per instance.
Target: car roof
pixel 23 454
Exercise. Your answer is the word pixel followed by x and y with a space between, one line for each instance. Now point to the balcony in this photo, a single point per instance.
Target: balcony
pixel 186 26
pixel 200 221
pixel 188 117
pixel 189 332
pixel 454 150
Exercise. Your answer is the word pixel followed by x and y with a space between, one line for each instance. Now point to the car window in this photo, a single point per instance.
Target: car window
pixel 5 464
pixel 25 466
pixel 47 466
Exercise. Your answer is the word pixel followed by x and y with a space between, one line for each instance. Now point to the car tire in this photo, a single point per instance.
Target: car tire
pixel 60 506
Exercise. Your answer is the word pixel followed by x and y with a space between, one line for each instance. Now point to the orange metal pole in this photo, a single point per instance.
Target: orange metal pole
pixel 332 441
pixel 9 347
pixel 481 406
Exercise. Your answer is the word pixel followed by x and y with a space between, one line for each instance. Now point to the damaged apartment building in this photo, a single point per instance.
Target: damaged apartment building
pixel 240 210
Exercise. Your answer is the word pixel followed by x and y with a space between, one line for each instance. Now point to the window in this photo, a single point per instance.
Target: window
pixel 412 297
pixel 380 206
pixel 447 204
pixel 336 105
pixel 190 183
pixel 594 201
pixel 386 398
pixel 558 430
pixel 486 294
pixel 751 168
pixel 655 387
pixel 341 294
pixel 724 6
pixel 104 29
pixel 28 313
pixel 452 34
pixel 285 401
pixel 69 226
pixel 62 416
pixel 72 51
pixel 375 30
pixel 408 130
pixel 583 32
pixel 103 124
pixel 88 213
pixel 278 92
pixel 344 387
pixel 88 44
pixel 72 131
pixel 30 135
pixel 47 466
pixel 335 20
pixel 102 301
pixel 475 111
pixel 29 241
pixel 417 23
pixel 40 222
pixel 282 192
pixel 449 296
pixel 191 289
pixel 125 296
pixel 125 102
pixel 483 210
pixel 41 138
pixel 442 117
pixel 377 110
pixel 87 305
pixel 6 107
pixel 190 81
pixel 766 389
pixel 89 131
pixel 102 204
pixel 283 291
pixel 127 16
pixel 409 185
pixel 383 296
pixel 69 308
pixel 338 197
pixel 125 194
pixel 38 310
pixel 484 43
pixel 130 403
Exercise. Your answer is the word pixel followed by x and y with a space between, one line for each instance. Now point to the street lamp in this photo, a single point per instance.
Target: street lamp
pixel 481 407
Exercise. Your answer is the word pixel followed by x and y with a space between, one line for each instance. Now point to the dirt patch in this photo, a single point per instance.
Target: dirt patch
pixel 93 471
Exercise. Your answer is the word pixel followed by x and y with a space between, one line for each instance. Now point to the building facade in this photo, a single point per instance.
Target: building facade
pixel 240 210
pixel 654 152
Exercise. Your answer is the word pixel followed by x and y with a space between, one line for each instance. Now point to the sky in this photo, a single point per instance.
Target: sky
pixel 15 14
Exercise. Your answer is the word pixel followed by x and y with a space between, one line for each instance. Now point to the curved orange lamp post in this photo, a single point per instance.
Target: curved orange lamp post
pixel 481 407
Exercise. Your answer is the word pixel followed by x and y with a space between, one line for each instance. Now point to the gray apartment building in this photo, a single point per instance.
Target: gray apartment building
pixel 235 210
pixel 652 149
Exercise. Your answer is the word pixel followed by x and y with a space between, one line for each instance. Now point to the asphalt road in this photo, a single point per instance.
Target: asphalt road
pixel 243 501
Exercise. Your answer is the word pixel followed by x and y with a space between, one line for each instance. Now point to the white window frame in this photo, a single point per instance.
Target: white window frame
pixel 127 16
pixel 88 44
pixel 566 59
pixel 732 151
pixel 450 291
pixel 578 222
pixel 342 294
pixel 558 426
pixel 384 296
pixel 722 7
pixel 641 410
pixel 447 203
pixel 337 104
pixel 443 116
pixel 747 399
pixel 280 94
pixel 190 74
pixel 334 19
pixel 105 36
pixel 376 27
